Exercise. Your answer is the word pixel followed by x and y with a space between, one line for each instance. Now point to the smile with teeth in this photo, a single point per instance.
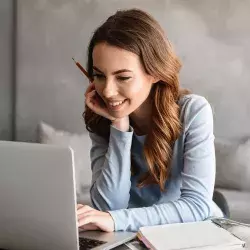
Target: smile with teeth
pixel 114 104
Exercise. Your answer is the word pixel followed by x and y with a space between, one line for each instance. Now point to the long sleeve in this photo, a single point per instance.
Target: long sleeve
pixel 198 176
pixel 110 163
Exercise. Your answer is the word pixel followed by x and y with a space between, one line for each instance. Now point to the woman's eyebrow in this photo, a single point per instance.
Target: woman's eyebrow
pixel 113 73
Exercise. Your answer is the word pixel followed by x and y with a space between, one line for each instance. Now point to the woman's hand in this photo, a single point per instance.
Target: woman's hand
pixel 92 219
pixel 95 103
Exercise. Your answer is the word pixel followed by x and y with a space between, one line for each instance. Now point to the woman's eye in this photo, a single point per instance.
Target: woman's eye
pixel 123 78
pixel 98 76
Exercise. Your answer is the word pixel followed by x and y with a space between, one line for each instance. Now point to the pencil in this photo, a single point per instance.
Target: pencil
pixel 81 68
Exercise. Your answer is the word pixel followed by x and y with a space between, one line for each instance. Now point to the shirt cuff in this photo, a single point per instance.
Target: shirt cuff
pixel 115 130
pixel 120 219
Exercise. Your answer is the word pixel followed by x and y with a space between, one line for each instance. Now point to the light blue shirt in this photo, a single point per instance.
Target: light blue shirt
pixel 189 191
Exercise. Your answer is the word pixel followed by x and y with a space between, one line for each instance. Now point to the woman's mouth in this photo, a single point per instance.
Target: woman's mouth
pixel 117 105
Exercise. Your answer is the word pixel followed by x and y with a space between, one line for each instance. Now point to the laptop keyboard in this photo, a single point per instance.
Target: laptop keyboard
pixel 86 243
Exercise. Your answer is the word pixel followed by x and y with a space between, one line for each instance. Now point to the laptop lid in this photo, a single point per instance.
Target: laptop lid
pixel 37 197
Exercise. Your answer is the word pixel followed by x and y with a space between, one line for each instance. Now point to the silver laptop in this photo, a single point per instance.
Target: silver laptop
pixel 38 201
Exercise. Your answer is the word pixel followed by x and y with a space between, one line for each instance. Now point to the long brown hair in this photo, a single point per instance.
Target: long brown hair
pixel 138 32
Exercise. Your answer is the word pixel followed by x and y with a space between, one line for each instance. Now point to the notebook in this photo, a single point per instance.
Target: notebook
pixel 204 235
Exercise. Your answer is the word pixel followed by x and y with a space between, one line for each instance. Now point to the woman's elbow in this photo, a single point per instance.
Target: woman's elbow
pixel 204 210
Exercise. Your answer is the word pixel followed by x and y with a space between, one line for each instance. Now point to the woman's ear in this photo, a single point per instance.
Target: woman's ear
pixel 152 79
pixel 155 79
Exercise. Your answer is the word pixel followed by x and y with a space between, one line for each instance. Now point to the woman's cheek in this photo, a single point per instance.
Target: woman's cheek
pixel 135 89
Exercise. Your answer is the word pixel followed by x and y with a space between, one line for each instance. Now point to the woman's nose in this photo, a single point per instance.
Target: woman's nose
pixel 109 90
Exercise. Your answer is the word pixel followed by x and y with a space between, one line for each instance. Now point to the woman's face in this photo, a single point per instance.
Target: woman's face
pixel 120 79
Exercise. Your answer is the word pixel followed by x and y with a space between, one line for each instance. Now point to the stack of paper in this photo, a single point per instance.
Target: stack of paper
pixel 204 235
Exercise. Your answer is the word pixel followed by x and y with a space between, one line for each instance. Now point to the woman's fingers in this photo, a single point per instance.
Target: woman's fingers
pixel 92 219
pixel 79 206
pixel 93 103
pixel 90 88
pixel 83 209
pixel 91 100
pixel 87 213
pixel 88 227
pixel 82 212
pixel 86 219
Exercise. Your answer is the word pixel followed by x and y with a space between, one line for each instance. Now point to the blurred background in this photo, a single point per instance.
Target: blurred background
pixel 40 83
pixel 38 76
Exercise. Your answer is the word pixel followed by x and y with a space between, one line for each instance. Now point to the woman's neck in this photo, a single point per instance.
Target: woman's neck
pixel 141 118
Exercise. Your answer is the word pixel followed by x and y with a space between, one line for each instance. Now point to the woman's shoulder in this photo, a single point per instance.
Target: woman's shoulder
pixel 191 100
pixel 192 106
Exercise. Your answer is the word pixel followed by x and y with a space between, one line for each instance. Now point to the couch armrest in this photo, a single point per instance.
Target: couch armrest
pixel 234 203
pixel 221 202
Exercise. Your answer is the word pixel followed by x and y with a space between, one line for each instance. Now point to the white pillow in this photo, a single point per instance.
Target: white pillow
pixel 81 145
pixel 233 165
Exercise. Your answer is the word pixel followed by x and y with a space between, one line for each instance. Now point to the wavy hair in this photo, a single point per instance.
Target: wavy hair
pixel 138 32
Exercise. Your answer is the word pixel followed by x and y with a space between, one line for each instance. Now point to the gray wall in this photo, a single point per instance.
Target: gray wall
pixel 5 68
pixel 212 38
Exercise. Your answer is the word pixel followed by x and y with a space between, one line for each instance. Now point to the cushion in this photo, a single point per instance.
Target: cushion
pixel 238 204
pixel 233 165
pixel 80 144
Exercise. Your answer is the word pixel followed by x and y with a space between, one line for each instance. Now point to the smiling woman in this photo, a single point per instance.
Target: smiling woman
pixel 122 83
pixel 152 155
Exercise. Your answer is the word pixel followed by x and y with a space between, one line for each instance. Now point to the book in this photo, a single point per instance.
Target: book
pixel 204 235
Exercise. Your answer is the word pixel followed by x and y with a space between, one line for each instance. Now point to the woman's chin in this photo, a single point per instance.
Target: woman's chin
pixel 119 114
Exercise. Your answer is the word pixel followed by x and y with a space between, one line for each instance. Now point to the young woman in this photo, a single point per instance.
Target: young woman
pixel 153 158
